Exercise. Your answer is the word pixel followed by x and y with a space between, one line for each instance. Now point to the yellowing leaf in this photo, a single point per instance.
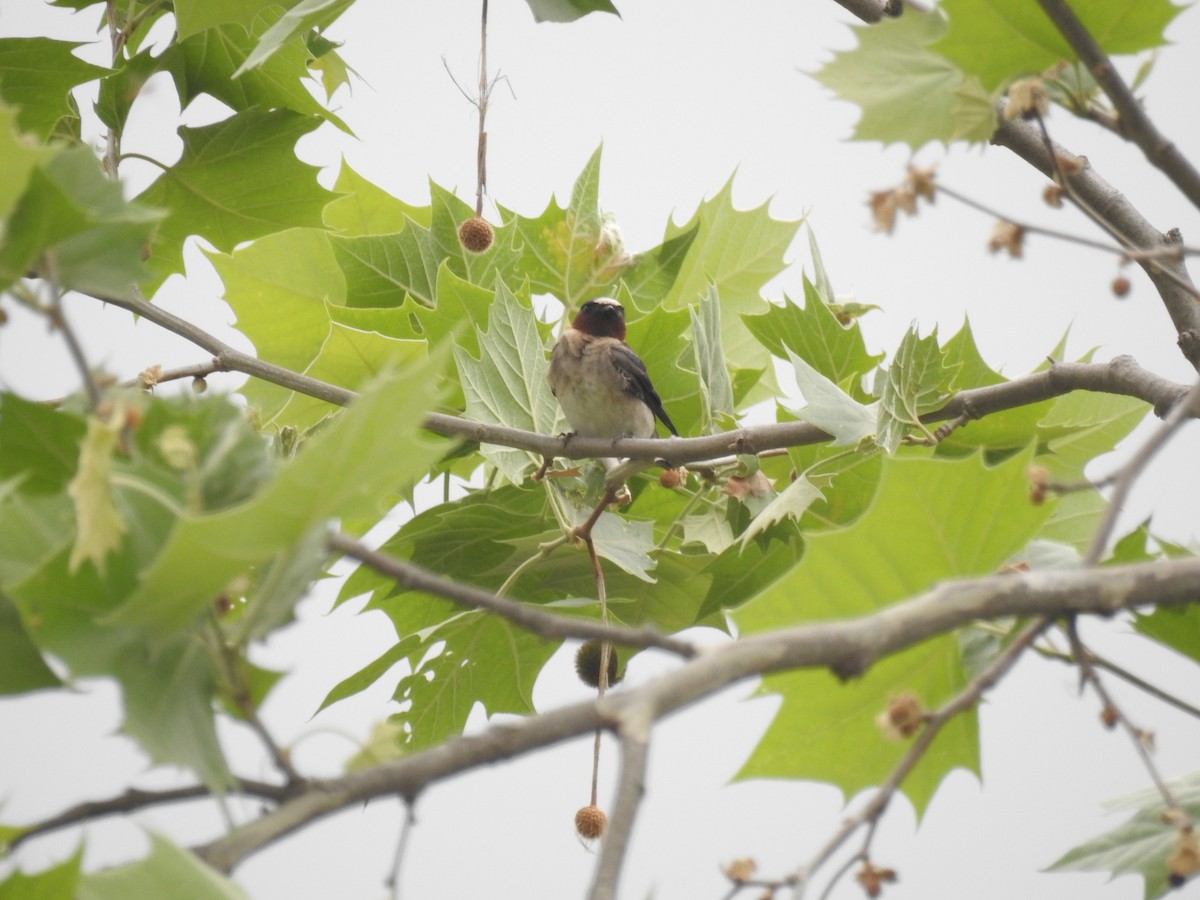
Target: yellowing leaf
pixel 98 525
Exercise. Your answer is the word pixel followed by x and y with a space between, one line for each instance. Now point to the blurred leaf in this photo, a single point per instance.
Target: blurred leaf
pixel 169 871
pixel 77 228
pixel 998 41
pixel 21 156
pixel 384 744
pixel 238 179
pixel 22 668
pixel 38 443
pixel 98 525
pixel 36 76
pixel 967 519
pixel 792 502
pixel 58 882
pixel 344 471
pixel 1144 844
pixel 568 10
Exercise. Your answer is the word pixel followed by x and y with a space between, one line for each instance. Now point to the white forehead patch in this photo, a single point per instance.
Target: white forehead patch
pixel 608 301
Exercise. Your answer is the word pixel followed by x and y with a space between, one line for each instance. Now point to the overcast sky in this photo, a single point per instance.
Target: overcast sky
pixel 682 93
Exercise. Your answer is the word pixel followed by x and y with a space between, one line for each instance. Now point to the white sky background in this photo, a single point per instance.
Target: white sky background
pixel 682 93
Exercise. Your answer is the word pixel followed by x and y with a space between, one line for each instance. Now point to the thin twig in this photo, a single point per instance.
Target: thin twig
pixel 1136 735
pixel 1124 674
pixel 484 95
pixel 1135 124
pixel 406 827
pixel 530 618
pixel 962 701
pixel 58 318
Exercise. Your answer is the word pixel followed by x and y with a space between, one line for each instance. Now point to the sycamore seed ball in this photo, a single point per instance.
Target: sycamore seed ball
pixel 476 234
pixel 587 664
pixel 590 822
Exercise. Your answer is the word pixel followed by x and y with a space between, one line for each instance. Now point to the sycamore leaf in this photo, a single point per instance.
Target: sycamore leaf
pixel 76 227
pixel 365 208
pixel 385 743
pixel 791 501
pixel 624 542
pixel 206 63
pixel 959 519
pixel 238 179
pixel 997 40
pixel 20 157
pixel 347 470
pixel 485 660
pixel 22 667
pixel 716 391
pixel 917 381
pixel 98 525
pixel 507 384
pixel 119 90
pixel 39 444
pixel 291 26
pixel 193 16
pixel 36 76
pixel 59 882
pixel 1144 844
pixel 906 92
pixel 568 10
pixel 829 407
pixel 169 871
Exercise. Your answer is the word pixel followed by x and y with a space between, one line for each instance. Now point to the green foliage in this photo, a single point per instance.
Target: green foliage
pixel 154 541
pixel 1144 844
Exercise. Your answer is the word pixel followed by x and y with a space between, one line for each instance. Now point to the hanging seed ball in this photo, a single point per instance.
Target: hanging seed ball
pixel 1120 286
pixel 476 234
pixel 587 664
pixel 590 822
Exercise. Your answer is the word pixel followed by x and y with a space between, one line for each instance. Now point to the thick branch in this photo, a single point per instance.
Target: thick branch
pixel 847 648
pixel 1169 276
pixel 634 734
pixel 1133 121
pixel 872 11
pixel 530 618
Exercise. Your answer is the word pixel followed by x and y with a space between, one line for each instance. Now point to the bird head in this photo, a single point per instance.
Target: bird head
pixel 602 317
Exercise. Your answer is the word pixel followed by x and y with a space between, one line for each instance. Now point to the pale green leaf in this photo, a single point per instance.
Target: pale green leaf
pixel 829 407
pixel 169 871
pixel 36 76
pixel 792 502
pixel 716 390
pixel 365 208
pixel 20 156
pixel 918 381
pixel 384 744
pixel 22 668
pixel 58 882
pixel 98 525
pixel 302 17
pixel 568 10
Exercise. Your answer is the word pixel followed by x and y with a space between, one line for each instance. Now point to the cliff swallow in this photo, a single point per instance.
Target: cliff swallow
pixel 601 384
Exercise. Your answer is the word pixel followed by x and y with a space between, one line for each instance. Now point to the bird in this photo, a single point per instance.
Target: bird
pixel 601 384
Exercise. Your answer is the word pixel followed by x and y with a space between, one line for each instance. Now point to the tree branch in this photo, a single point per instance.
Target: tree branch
pixel 134 799
pixel 530 618
pixel 634 734
pixel 847 648
pixel 1169 276
pixel 1134 124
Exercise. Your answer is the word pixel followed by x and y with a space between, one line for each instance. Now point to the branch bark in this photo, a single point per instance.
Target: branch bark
pixel 847 648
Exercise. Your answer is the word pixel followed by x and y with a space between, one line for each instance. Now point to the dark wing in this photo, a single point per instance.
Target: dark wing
pixel 637 382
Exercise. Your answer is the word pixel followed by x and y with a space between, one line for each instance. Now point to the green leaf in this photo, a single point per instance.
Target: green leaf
pixel 1141 845
pixel 364 208
pixel 119 90
pixel 568 10
pixel 194 16
pixel 814 334
pixel 907 93
pixel 77 228
pixel 507 385
pixel 22 668
pixel 998 40
pixel 36 76
pixel 959 519
pixel 918 381
pixel 169 871
pixel 791 501
pixel 289 29
pixel 58 882
pixel 344 471
pixel 384 744
pixel 20 157
pixel 213 62
pixel 736 252
pixel 38 443
pixel 238 179
pixel 485 660
pixel 716 391
pixel 830 408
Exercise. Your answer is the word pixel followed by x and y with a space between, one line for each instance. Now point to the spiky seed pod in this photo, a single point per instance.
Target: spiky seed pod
pixel 672 478
pixel 590 822
pixel 1120 286
pixel 587 664
pixel 476 234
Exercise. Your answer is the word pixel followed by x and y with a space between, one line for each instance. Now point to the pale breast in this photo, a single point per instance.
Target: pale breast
pixel 592 391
